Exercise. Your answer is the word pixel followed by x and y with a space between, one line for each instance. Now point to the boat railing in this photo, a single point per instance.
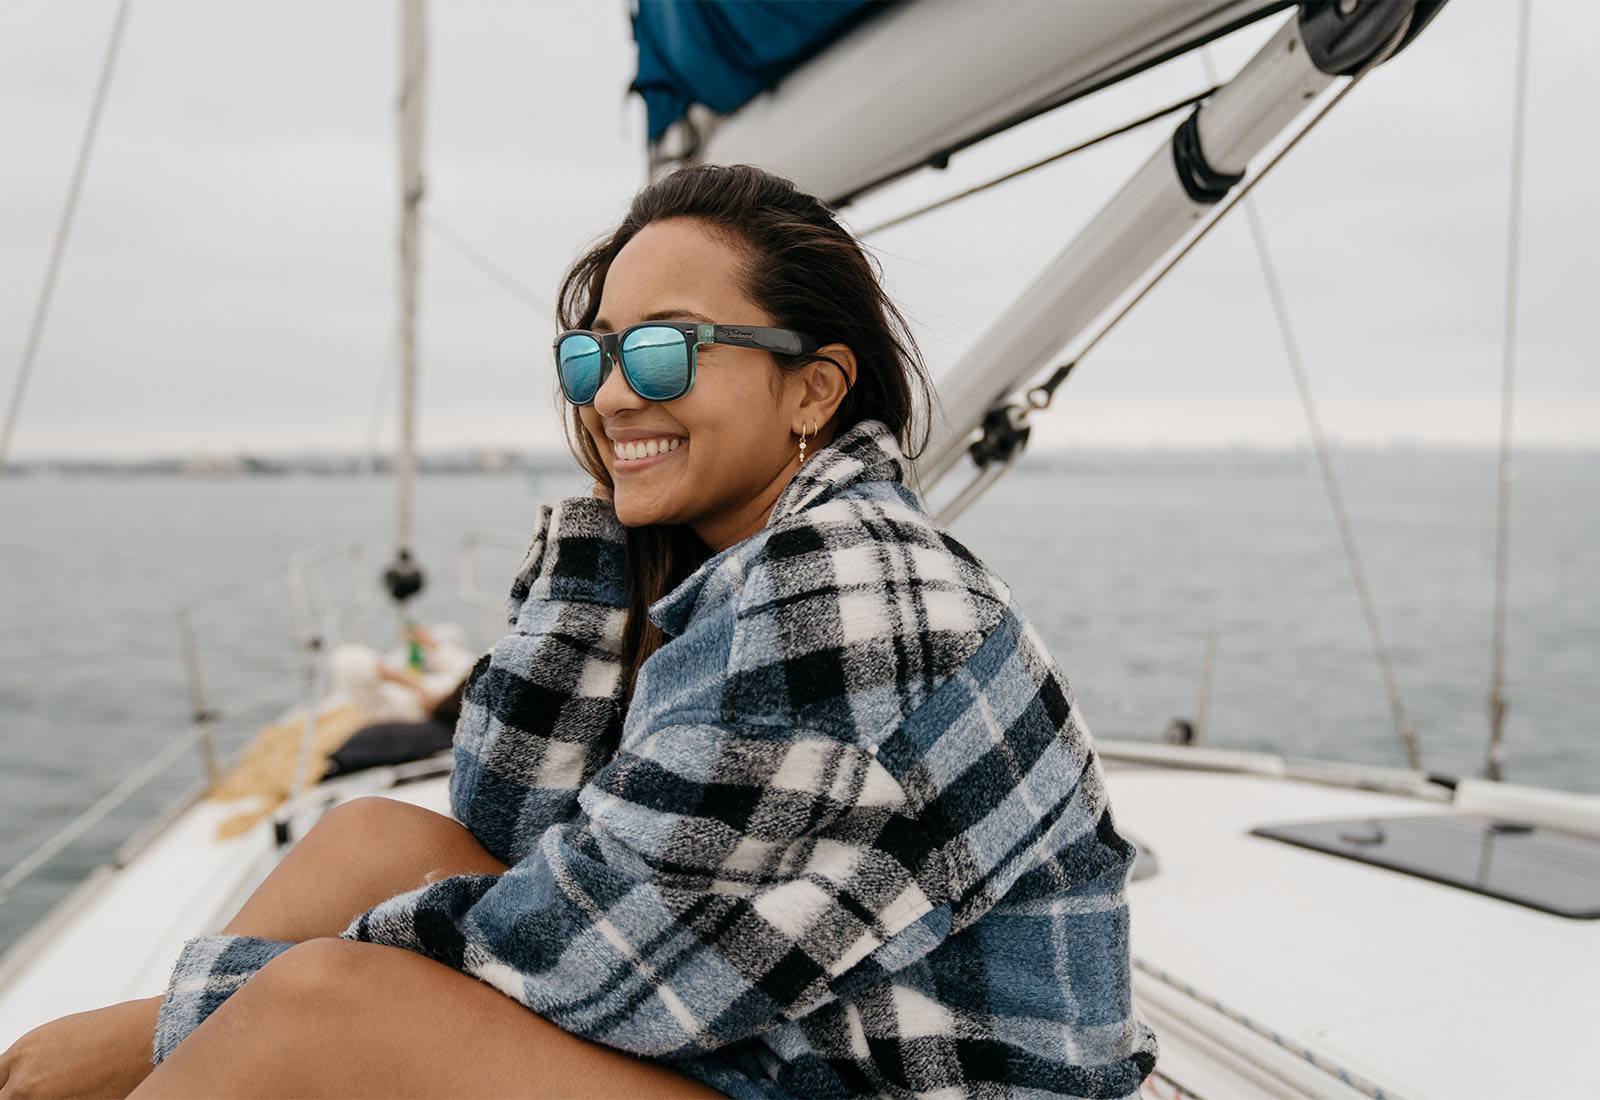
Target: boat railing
pixel 330 599
pixel 1210 642
pixel 322 611
pixel 473 544
pixel 136 781
pixel 315 612
pixel 1145 677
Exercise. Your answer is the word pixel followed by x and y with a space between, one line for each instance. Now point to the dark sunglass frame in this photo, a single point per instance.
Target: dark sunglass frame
pixel 781 341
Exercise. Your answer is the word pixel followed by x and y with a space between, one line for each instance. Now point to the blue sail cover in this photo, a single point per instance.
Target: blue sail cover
pixel 722 53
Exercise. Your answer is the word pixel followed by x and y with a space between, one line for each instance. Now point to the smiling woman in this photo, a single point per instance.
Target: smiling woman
pixel 732 246
pixel 769 789
pixel 715 458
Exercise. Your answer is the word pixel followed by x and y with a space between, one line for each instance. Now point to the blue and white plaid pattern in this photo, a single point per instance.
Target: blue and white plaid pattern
pixel 850 840
pixel 208 971
pixel 543 711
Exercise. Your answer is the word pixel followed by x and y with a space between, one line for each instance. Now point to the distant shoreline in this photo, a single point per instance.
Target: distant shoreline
pixel 1238 460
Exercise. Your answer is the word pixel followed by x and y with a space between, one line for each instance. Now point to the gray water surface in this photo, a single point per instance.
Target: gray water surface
pixel 1126 566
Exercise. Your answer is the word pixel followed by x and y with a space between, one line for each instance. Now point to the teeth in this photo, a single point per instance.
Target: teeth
pixel 646 448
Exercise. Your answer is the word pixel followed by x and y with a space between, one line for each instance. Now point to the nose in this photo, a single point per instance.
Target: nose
pixel 615 395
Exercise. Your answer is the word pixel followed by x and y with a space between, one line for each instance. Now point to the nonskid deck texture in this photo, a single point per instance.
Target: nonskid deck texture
pixel 1402 986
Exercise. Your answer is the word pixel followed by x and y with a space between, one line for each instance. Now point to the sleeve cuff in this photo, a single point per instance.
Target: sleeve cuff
pixel 208 971
pixel 577 554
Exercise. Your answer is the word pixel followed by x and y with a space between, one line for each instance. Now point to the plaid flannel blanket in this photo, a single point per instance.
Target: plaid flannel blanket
pixel 851 838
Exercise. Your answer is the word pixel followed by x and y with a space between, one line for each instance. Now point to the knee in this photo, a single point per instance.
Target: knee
pixel 267 1033
pixel 369 825
pixel 315 976
pixel 376 830
pixel 369 819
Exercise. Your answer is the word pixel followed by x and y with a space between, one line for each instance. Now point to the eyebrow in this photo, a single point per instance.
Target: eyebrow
pixel 658 315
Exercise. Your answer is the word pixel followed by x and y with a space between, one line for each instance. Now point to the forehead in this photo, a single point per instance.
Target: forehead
pixel 679 266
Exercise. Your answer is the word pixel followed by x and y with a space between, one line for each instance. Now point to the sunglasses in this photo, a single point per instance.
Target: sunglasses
pixel 657 357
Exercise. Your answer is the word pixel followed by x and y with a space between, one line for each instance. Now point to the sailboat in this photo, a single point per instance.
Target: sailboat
pixel 1300 929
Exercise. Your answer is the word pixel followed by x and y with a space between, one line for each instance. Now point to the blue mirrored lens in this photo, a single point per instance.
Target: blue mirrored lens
pixel 656 360
pixel 581 368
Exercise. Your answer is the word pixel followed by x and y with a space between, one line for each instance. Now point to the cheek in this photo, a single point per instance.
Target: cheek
pixel 592 428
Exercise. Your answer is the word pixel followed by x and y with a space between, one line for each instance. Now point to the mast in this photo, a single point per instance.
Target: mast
pixel 403 578
pixel 1495 756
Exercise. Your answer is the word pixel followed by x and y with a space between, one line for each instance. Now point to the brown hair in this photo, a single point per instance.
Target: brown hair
pixel 807 273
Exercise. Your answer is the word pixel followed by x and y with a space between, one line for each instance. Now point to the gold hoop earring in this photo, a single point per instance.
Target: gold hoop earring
pixel 803 433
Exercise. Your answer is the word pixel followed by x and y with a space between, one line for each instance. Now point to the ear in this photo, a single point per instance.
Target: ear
pixel 822 388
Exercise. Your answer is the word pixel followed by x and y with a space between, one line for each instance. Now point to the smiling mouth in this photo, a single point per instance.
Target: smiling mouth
pixel 634 450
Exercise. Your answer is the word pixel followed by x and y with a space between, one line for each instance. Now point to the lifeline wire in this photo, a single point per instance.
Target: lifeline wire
pixel 1494 760
pixel 43 308
pixel 1402 727
pixel 901 219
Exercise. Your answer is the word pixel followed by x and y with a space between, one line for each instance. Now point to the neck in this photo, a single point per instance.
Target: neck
pixel 740 523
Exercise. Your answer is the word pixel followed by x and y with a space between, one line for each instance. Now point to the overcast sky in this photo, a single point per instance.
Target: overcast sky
pixel 230 280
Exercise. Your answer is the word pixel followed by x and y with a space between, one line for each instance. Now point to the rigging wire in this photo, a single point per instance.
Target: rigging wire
pixel 1039 397
pixel 1402 726
pixel 1291 346
pixel 1494 758
pixel 901 219
pixel 42 309
pixel 940 158
pixel 477 258
pixel 494 271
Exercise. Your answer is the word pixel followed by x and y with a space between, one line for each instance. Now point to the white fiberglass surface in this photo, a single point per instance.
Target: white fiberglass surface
pixel 119 940
pixel 1426 989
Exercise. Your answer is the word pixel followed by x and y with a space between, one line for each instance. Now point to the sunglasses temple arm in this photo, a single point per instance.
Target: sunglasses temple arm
pixel 781 340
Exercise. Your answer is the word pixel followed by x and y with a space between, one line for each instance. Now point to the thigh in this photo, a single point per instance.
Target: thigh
pixel 361 853
pixel 335 1018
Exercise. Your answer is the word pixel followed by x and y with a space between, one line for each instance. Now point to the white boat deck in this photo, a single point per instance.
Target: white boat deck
pixel 1267 970
pixel 117 936
pixel 1424 989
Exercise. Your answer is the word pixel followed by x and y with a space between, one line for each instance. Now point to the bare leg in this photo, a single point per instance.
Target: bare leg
pixel 335 1018
pixel 358 855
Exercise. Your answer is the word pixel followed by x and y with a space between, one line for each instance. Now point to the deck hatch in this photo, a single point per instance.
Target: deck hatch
pixel 1545 869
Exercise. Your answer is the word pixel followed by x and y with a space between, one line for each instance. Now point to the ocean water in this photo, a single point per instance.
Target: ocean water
pixel 1132 567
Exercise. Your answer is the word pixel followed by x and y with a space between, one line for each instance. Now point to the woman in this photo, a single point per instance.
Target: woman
pixel 770 788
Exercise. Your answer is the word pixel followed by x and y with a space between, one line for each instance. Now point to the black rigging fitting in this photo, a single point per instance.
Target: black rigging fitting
pixel 1343 37
pixel 1006 428
pixel 1005 432
pixel 403 579
pixel 1201 182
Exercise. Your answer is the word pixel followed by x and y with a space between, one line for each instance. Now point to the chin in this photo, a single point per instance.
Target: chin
pixel 632 512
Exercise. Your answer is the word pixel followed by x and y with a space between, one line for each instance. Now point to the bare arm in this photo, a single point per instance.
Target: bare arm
pixel 101 1053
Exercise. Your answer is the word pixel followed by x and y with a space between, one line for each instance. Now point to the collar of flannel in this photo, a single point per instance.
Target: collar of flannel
pixel 867 452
